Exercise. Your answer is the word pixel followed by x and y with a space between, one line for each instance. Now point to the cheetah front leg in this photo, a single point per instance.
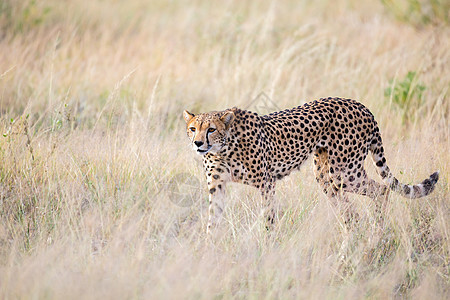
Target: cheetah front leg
pixel 271 207
pixel 216 189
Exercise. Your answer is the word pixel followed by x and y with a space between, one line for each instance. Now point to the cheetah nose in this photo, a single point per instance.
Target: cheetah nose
pixel 198 143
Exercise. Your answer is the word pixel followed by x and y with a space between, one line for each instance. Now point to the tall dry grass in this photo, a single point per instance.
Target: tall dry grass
pixel 91 95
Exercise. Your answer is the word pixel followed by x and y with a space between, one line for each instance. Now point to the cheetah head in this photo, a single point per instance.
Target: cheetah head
pixel 208 131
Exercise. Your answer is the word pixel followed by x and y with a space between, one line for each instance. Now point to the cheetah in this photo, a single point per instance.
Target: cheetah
pixel 257 150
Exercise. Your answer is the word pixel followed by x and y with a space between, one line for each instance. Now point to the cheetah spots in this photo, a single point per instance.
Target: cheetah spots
pixel 406 190
pixel 253 149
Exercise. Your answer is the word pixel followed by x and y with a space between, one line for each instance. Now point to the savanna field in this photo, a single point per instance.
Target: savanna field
pixel 101 196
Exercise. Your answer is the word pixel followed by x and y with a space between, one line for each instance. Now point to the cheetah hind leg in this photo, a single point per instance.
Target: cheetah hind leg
pixel 337 195
pixel 379 193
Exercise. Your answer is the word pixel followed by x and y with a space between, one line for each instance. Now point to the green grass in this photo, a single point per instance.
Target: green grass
pixel 407 95
pixel 93 139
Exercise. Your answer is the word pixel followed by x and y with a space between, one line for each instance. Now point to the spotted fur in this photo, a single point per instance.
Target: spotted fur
pixel 242 146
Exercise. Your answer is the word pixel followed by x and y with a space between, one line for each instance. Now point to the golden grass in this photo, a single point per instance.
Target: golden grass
pixel 91 95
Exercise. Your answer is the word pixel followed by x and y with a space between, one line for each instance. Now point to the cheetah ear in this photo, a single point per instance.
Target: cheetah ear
pixel 187 116
pixel 228 118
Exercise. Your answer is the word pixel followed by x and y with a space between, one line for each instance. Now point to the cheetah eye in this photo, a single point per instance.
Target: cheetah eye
pixel 211 129
pixel 192 129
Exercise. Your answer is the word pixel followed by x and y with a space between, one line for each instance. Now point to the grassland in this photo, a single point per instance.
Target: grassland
pixel 93 142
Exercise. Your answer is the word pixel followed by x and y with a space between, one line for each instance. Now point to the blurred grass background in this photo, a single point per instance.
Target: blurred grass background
pixel 91 95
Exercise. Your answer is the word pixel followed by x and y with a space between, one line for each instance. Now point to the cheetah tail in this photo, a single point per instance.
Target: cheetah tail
pixel 406 190
pixel 414 191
